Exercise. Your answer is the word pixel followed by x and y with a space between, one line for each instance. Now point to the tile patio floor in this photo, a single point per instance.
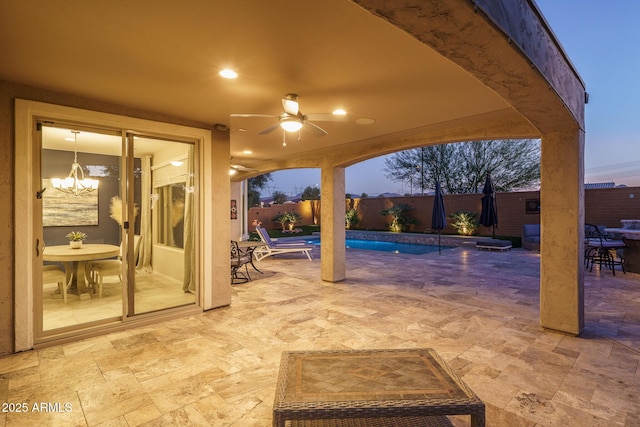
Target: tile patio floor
pixel 479 310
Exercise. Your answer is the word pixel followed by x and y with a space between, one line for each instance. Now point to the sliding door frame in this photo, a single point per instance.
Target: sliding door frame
pixel 27 113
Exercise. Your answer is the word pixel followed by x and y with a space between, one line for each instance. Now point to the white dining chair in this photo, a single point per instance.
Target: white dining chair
pixel 98 269
pixel 54 274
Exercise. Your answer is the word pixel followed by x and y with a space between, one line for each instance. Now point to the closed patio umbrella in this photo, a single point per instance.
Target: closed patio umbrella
pixel 489 215
pixel 439 216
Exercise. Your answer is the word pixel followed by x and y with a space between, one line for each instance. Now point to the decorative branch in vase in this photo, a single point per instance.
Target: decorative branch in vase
pixel 115 210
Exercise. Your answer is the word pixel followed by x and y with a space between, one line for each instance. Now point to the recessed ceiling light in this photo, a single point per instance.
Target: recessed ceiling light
pixel 339 112
pixel 228 74
pixel 247 152
pixel 176 162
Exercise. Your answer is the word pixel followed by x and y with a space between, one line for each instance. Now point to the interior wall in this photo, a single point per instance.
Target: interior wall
pixel 57 164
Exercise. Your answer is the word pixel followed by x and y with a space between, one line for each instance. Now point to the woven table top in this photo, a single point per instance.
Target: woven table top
pixel 370 383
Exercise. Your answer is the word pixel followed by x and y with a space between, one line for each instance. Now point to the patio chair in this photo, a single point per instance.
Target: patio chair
pixel 599 249
pixel 274 248
pixel 239 259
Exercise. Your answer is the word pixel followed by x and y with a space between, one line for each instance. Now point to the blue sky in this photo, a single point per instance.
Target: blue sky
pixel 602 39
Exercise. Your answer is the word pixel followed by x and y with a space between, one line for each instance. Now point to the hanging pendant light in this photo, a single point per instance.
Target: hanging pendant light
pixel 75 183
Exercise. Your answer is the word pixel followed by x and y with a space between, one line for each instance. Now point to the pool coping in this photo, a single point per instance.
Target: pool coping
pixel 412 238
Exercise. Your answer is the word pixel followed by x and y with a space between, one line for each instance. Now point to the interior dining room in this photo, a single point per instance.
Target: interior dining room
pixel 117 218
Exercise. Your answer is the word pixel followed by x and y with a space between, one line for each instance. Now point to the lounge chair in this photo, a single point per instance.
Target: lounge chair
pixel 274 248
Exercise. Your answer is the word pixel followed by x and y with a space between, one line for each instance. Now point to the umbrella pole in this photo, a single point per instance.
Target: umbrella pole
pixel 439 251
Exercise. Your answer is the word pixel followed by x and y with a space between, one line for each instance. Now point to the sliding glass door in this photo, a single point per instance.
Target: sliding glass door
pixel 166 261
pixel 130 200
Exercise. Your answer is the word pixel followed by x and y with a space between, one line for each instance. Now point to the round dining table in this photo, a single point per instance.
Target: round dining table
pixel 75 261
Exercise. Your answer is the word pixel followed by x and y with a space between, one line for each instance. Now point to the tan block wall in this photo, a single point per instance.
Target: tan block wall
pixel 602 207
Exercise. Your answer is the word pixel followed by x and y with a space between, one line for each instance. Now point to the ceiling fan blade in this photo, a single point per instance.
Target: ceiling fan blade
pixel 328 117
pixel 252 115
pixel 318 130
pixel 269 129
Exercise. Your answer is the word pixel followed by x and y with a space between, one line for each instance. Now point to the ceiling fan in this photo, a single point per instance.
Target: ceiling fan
pixel 292 119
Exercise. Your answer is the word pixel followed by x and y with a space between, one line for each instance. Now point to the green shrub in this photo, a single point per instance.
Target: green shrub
pixel 465 222
pixel 351 218
pixel 400 219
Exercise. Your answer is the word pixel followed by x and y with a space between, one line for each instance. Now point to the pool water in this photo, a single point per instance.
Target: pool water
pixel 399 248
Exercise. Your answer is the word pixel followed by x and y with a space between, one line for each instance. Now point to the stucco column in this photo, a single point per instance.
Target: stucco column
pixel 332 208
pixel 562 232
pixel 217 225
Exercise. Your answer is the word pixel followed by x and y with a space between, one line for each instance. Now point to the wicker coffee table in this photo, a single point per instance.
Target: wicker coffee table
pixel 408 387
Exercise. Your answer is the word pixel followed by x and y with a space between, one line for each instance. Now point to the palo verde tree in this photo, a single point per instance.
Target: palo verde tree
pixel 254 186
pixel 462 167
pixel 279 197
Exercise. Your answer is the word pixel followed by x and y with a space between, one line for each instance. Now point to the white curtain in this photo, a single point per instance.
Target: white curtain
pixel 144 259
pixel 189 282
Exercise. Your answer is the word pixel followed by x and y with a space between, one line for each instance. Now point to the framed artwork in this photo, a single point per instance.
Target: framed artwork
pixel 234 209
pixel 61 209
pixel 532 206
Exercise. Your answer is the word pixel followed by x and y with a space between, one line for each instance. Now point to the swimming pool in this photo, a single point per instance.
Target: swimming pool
pixel 398 248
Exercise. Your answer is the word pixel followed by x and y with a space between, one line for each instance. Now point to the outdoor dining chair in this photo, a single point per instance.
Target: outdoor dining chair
pixel 601 250
pixel 239 259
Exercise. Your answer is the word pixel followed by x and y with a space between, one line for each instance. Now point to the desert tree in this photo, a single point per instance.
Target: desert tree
pixel 254 186
pixel 462 167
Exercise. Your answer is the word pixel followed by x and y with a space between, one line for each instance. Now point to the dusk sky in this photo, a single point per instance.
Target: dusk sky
pixel 602 39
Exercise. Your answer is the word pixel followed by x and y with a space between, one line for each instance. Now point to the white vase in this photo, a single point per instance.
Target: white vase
pixel 75 244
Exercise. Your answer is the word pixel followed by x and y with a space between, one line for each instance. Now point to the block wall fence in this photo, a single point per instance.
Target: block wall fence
pixel 602 207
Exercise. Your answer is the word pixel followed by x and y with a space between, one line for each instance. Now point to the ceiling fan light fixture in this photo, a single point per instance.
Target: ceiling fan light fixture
pixel 291 124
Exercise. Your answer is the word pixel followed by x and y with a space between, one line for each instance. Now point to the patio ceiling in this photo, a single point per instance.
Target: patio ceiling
pixel 164 57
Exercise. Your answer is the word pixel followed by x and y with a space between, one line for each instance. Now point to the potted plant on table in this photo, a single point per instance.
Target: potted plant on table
pixel 76 238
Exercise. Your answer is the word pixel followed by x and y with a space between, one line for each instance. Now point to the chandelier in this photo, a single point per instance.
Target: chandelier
pixel 75 183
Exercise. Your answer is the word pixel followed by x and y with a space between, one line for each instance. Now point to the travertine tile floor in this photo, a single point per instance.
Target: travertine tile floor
pixel 479 310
